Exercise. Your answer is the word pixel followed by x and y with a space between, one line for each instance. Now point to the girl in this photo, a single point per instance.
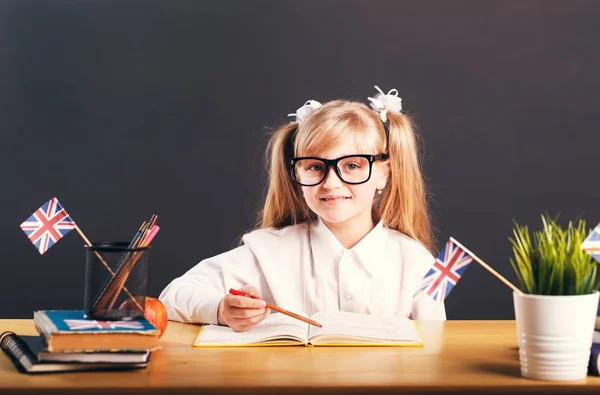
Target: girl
pixel 344 225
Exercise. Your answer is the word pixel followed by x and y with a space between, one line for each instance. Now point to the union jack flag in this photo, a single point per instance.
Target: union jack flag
pixel 446 271
pixel 47 225
pixel 79 325
pixel 591 244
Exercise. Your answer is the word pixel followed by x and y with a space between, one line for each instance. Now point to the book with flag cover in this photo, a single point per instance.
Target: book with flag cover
pixel 71 330
pixel 24 352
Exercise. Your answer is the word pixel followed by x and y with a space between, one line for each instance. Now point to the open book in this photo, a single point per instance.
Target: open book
pixel 339 329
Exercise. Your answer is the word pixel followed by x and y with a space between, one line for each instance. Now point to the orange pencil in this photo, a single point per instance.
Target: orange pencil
pixel 276 308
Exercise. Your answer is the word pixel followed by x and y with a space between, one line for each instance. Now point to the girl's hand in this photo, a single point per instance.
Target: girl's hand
pixel 241 313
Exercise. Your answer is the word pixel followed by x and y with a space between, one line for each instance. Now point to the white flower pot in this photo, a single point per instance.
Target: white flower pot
pixel 555 334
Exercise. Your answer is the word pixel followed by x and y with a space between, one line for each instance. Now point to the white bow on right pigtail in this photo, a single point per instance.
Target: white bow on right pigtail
pixel 382 103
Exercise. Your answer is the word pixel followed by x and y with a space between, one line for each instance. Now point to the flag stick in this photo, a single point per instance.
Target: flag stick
pixel 485 265
pixel 106 266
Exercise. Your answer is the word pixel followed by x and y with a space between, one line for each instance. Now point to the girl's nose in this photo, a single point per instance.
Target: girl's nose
pixel 332 180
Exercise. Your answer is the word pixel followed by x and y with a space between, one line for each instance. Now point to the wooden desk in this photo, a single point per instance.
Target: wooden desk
pixel 459 357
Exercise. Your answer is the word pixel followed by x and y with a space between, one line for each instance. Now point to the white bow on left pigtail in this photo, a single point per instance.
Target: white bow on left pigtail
pixel 382 103
pixel 305 111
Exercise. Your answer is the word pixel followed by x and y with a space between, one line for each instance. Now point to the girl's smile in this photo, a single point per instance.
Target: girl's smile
pixel 334 199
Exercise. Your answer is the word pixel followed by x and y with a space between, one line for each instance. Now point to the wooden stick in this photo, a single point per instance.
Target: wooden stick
pixel 106 266
pixel 485 265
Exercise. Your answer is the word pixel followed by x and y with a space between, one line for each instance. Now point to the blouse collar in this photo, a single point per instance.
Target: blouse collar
pixel 370 250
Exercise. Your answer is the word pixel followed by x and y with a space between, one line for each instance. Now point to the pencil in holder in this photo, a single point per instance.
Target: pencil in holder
pixel 115 281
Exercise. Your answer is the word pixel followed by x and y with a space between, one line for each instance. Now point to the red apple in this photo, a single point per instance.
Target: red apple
pixel 156 313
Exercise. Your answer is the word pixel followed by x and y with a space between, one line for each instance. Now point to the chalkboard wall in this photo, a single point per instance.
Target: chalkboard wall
pixel 123 109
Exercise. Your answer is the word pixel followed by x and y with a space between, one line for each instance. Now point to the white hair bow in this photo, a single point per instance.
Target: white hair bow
pixel 305 111
pixel 382 103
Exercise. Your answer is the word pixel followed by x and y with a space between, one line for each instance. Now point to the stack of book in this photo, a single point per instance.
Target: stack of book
pixel 68 341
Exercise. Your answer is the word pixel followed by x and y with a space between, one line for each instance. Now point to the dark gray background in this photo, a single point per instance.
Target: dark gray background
pixel 127 108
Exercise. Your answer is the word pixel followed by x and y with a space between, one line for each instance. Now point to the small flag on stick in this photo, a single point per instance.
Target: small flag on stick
pixel 47 225
pixel 591 244
pixel 50 223
pixel 446 271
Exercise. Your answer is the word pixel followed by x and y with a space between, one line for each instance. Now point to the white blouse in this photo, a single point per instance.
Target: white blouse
pixel 304 268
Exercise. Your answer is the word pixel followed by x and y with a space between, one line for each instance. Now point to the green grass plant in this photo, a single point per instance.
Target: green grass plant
pixel 551 261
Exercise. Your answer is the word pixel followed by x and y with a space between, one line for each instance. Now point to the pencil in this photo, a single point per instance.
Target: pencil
pixel 277 308
pixel 147 231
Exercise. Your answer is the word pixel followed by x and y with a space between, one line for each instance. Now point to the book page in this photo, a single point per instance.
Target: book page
pixel 342 327
pixel 275 328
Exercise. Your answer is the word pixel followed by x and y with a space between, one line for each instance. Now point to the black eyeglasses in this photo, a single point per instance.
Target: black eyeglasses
pixel 352 169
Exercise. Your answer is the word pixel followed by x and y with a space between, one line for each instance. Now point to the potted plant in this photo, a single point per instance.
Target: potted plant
pixel 556 310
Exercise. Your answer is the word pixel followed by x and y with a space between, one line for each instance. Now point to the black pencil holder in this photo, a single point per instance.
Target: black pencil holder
pixel 115 281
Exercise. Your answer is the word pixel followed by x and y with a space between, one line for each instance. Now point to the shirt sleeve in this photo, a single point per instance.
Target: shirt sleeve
pixel 424 308
pixel 194 297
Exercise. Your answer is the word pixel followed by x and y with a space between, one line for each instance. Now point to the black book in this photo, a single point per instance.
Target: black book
pixel 23 351
pixel 594 360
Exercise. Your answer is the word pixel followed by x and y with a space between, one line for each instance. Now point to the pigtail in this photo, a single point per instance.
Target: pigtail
pixel 284 204
pixel 403 205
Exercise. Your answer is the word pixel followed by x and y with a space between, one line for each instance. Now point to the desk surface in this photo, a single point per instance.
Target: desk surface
pixel 459 357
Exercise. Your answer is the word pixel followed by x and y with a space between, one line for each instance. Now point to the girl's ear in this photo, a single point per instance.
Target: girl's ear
pixel 384 173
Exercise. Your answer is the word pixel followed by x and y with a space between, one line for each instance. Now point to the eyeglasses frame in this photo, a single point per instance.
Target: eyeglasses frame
pixel 333 163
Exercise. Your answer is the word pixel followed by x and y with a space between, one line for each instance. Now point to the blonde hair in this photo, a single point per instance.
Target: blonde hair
pixel 403 204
